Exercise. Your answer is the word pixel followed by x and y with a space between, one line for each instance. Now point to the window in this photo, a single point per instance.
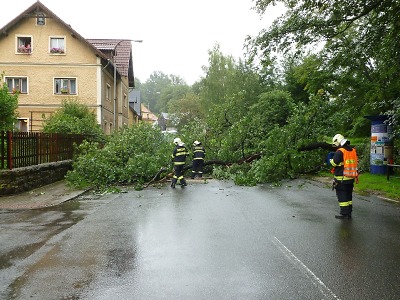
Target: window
pixel 125 100
pixel 57 45
pixel 24 44
pixel 17 84
pixel 108 92
pixel 40 19
pixel 65 86
pixel 21 125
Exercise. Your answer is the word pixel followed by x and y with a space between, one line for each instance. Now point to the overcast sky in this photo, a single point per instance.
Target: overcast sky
pixel 176 34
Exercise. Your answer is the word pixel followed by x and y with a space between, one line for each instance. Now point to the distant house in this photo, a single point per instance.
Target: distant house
pixel 165 123
pixel 147 115
pixel 46 62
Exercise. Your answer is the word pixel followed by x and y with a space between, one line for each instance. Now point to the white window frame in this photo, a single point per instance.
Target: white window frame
pixel 23 44
pixel 64 86
pixel 13 87
pixel 56 47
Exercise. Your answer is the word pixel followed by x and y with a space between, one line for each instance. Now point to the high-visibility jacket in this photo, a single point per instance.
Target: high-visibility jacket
pixel 199 153
pixel 179 155
pixel 345 163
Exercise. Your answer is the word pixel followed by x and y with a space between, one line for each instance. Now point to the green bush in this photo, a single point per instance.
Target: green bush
pixel 74 118
pixel 131 156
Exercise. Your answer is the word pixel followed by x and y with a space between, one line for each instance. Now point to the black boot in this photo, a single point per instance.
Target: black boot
pixel 183 182
pixel 173 182
pixel 343 216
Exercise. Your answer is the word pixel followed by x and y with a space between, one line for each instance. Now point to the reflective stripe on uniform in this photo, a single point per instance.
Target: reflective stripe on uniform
pixel 335 165
pixel 346 203
pixel 341 178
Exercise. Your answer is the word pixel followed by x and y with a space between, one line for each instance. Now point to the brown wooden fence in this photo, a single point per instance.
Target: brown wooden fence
pixel 23 149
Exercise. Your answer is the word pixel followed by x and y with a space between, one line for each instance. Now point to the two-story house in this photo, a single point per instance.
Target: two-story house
pixel 46 61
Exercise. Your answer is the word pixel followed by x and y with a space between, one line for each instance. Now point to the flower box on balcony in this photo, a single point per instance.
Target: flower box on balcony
pixel 57 50
pixel 24 49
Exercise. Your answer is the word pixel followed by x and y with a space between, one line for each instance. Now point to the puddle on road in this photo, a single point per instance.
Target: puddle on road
pixel 49 221
pixel 30 230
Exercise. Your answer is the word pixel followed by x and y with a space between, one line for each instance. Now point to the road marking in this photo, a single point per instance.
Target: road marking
pixel 314 279
pixel 388 199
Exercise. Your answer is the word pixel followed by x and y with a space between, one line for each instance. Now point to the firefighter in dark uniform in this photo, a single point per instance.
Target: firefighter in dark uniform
pixel 344 162
pixel 198 159
pixel 179 159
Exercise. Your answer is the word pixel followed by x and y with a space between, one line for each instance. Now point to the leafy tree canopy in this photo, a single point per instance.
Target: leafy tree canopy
pixel 357 49
pixel 184 110
pixel 159 89
pixel 171 93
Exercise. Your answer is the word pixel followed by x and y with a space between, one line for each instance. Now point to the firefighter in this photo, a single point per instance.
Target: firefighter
pixel 345 173
pixel 198 159
pixel 179 159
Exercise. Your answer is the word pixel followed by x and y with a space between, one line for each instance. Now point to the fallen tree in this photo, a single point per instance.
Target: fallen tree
pixel 157 177
pixel 249 159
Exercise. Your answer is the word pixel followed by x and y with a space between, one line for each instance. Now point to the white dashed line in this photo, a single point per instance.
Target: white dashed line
pixel 314 279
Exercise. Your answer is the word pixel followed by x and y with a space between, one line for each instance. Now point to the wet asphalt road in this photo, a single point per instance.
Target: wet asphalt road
pixel 206 241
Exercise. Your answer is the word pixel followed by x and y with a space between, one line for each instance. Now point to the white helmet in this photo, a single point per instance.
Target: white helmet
pixel 338 140
pixel 177 141
pixel 196 143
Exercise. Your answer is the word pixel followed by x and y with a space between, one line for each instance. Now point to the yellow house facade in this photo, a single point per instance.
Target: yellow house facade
pixel 147 115
pixel 46 61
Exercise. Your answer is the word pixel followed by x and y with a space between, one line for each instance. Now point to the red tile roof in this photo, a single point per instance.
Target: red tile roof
pixel 119 50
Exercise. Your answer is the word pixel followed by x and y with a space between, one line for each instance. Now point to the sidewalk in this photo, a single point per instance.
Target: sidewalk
pixel 45 196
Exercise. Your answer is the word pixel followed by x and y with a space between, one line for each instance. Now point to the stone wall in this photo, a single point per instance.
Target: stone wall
pixel 28 178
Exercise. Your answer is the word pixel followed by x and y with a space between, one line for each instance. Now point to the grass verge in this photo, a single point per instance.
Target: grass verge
pixel 378 184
